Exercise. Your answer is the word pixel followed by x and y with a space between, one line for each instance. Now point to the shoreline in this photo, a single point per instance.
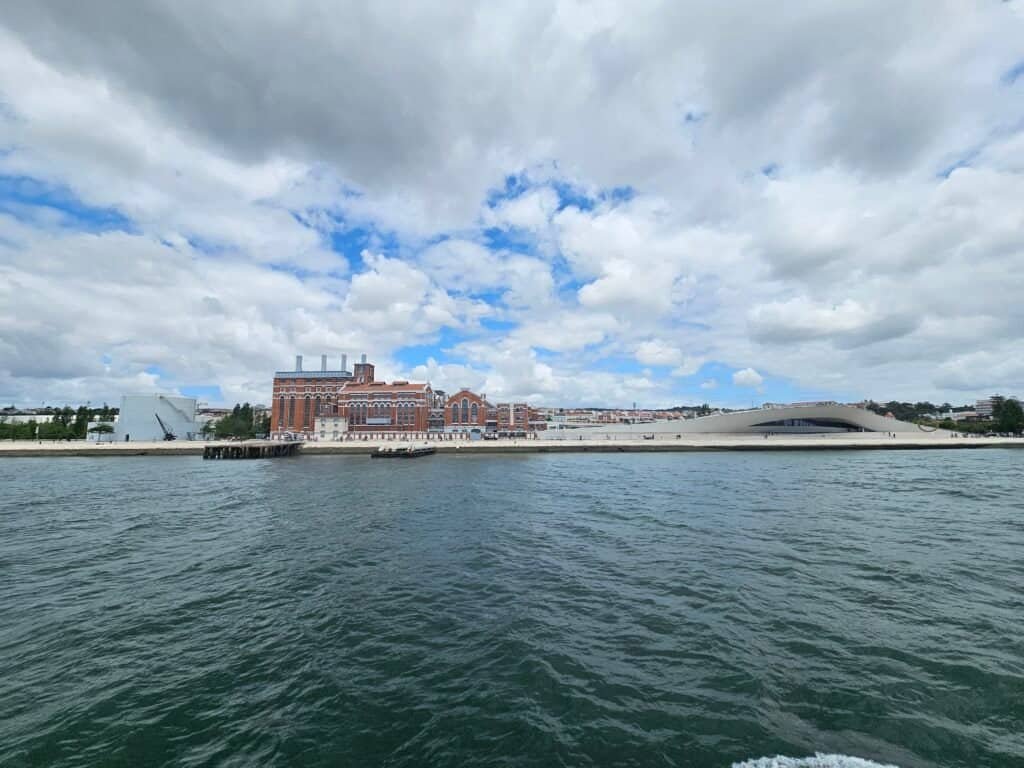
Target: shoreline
pixel 701 443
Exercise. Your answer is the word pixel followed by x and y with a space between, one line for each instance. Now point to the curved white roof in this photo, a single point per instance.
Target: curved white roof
pixel 801 418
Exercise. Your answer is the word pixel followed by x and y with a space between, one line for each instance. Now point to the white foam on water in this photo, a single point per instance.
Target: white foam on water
pixel 818 761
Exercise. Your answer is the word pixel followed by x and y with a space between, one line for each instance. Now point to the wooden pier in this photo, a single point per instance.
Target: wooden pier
pixel 252 449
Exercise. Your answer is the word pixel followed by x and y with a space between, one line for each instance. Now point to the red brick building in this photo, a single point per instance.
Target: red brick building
pixel 377 407
pixel 513 417
pixel 465 411
pixel 299 396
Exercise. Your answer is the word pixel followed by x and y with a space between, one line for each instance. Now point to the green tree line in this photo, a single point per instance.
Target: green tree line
pixel 241 422
pixel 1007 417
pixel 67 424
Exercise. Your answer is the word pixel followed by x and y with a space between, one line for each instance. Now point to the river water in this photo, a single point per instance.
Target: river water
pixel 538 610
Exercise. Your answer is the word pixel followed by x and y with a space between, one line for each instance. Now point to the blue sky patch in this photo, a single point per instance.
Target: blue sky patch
pixel 514 186
pixel 29 199
pixel 498 239
pixel 1014 73
pixel 207 393
pixel 417 354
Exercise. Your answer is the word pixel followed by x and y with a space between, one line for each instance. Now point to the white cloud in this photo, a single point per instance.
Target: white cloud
pixel 747 377
pixel 709 384
pixel 784 193
pixel 657 352
pixel 531 211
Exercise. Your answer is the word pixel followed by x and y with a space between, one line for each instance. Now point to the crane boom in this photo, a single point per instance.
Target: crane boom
pixel 168 435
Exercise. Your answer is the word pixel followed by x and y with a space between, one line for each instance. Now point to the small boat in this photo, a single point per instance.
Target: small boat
pixel 403 451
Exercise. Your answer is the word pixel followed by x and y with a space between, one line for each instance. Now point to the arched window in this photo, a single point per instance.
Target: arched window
pixel 455 413
pixel 291 412
pixel 465 410
pixel 280 414
pixel 474 413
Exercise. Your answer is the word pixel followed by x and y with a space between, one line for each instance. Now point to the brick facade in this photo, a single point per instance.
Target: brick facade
pixel 513 417
pixel 378 407
pixel 374 407
pixel 465 410
pixel 299 397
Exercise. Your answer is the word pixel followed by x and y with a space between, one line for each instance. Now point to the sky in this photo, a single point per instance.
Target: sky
pixel 576 204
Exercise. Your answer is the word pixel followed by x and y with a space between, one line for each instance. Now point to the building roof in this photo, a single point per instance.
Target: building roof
pixel 463 392
pixel 754 421
pixel 313 375
pixel 380 386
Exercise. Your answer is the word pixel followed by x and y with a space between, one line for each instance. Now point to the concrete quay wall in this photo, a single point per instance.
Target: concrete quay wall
pixel 705 442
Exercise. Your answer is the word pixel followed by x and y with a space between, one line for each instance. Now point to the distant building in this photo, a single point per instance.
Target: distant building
pixel 985 407
pixel 15 416
pixel 513 418
pixel 468 412
pixel 961 415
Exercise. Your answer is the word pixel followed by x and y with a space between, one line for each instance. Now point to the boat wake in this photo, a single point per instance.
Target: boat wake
pixel 818 761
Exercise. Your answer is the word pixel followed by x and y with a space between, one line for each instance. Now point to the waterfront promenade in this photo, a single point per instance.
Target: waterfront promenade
pixel 662 443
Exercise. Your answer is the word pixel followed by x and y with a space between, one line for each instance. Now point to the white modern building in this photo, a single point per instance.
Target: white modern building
pixel 154 417
pixel 24 417
pixel 809 418
pixel 986 406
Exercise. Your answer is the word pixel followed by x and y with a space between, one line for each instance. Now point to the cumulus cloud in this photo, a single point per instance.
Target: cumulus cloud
pixel 526 194
pixel 657 352
pixel 747 377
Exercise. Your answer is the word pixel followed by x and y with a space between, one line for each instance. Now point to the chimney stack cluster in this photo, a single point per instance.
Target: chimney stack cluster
pixel 323 362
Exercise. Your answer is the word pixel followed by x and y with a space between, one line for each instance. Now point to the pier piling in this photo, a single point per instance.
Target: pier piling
pixel 264 449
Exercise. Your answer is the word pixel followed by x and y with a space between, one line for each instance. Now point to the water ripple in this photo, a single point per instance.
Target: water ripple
pixel 634 610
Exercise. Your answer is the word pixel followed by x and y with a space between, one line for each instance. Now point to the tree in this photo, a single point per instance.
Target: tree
pixel 103 428
pixel 81 422
pixel 1011 417
pixel 238 423
pixel 54 430
pixel 18 431
pixel 997 407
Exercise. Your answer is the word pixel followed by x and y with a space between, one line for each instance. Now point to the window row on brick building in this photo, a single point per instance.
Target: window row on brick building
pixel 369 406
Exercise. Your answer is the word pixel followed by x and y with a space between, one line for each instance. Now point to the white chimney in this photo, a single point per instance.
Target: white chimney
pixel 323 363
pixel 298 362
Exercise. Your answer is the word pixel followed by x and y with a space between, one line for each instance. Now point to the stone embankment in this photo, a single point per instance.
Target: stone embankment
pixel 856 441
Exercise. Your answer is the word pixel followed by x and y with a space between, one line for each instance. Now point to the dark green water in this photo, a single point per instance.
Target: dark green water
pixel 628 610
